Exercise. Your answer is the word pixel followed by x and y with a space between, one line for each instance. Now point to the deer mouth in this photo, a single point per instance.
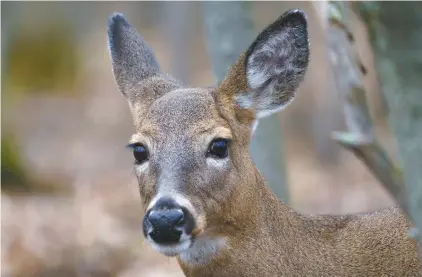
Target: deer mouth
pixel 173 249
pixel 186 241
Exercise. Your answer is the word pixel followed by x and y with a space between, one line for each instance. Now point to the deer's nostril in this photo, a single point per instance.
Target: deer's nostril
pixel 167 218
pixel 164 225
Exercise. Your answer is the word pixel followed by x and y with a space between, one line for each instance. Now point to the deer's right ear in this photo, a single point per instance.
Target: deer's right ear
pixel 132 59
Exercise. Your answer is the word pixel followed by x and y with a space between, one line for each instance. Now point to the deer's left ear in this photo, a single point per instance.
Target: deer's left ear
pixel 132 59
pixel 273 66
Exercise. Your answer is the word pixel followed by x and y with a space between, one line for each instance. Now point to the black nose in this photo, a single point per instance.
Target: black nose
pixel 165 222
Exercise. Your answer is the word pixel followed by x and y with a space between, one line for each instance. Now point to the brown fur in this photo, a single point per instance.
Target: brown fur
pixel 263 237
pixel 274 240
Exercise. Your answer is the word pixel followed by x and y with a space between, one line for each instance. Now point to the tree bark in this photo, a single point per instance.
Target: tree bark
pixel 176 14
pixel 229 31
pixel 395 34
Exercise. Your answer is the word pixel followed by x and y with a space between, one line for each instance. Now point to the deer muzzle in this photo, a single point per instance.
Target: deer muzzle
pixel 167 223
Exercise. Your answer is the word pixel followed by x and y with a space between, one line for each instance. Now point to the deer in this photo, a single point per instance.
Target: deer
pixel 205 202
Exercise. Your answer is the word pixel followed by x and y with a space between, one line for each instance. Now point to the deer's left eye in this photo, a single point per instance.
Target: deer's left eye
pixel 219 148
pixel 140 152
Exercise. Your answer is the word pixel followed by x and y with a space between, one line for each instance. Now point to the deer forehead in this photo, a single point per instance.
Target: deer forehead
pixel 185 112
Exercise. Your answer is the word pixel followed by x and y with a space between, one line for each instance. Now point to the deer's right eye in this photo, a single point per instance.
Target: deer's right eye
pixel 140 153
pixel 218 148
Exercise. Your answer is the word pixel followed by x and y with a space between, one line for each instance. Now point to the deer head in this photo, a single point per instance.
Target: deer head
pixel 191 145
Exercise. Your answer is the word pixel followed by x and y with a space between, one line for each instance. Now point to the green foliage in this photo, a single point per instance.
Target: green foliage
pixel 368 9
pixel 15 179
pixel 248 5
pixel 369 12
pixel 12 172
pixel 43 60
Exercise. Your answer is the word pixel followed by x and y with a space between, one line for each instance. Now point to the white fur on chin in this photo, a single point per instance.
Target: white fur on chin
pixel 171 250
pixel 203 250
pixel 192 252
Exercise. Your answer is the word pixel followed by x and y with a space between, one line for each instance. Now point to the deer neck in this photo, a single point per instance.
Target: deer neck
pixel 259 225
pixel 271 216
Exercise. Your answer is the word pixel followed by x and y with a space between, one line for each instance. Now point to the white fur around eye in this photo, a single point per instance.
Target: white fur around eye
pixel 141 168
pixel 218 163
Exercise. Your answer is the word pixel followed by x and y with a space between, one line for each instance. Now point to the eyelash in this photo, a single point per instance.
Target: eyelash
pixel 140 156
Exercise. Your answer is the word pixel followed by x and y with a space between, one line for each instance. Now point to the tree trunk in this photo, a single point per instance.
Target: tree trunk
pixel 229 31
pixel 395 34
pixel 176 15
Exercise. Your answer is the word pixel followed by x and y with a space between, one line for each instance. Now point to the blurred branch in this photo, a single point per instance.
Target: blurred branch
pixel 229 30
pixel 394 30
pixel 360 138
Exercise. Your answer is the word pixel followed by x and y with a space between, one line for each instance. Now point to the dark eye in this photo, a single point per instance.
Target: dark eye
pixel 219 148
pixel 140 153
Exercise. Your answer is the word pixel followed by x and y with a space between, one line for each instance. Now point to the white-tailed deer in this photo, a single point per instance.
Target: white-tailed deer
pixel 206 203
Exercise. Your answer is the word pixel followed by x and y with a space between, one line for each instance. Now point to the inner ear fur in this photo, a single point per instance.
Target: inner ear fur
pixel 265 77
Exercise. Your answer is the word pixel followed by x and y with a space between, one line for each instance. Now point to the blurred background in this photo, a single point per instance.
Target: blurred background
pixel 70 203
